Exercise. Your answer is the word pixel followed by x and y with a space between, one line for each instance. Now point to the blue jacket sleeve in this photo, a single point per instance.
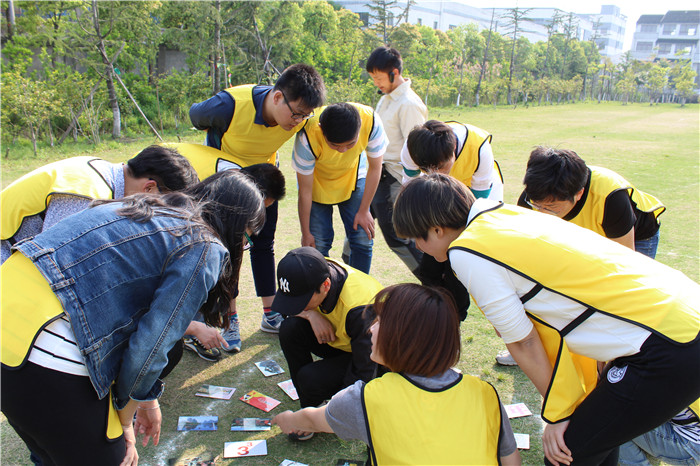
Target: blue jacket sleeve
pixel 186 280
pixel 213 115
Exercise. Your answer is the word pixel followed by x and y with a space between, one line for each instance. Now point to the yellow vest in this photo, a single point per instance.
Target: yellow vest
pixel 25 313
pixel 467 161
pixel 411 425
pixel 613 280
pixel 359 289
pixel 247 142
pixel 31 194
pixel 204 159
pixel 603 183
pixel 335 173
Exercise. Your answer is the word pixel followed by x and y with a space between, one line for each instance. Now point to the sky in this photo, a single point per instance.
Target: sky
pixel 633 9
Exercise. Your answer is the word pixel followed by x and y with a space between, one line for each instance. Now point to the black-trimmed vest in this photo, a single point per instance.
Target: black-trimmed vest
pixel 204 159
pixel 359 289
pixel 335 173
pixel 249 143
pixel 411 424
pixel 467 156
pixel 31 194
pixel 603 183
pixel 598 273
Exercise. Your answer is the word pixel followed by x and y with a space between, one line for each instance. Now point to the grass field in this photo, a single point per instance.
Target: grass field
pixel 655 148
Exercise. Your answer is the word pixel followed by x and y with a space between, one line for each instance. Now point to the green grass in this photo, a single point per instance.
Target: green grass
pixel 656 148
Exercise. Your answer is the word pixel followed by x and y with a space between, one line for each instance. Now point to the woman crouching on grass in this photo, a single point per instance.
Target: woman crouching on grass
pixel 422 412
pixel 91 307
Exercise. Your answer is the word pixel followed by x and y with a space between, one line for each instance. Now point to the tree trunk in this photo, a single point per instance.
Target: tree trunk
pixel 483 62
pixel 113 102
pixel 217 47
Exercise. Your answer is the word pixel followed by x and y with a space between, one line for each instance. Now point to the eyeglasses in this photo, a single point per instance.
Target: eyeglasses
pixel 540 208
pixel 249 242
pixel 296 116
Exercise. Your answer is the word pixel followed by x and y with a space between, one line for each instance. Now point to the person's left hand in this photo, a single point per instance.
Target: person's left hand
pixel 284 420
pixel 555 449
pixel 148 421
pixel 366 221
pixel 131 458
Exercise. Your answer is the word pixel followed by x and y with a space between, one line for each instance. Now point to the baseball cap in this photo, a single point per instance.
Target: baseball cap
pixel 299 275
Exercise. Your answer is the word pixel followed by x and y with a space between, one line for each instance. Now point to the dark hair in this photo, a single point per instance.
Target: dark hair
pixel 340 122
pixel 269 179
pixel 170 170
pixel 433 200
pixel 302 82
pixel 556 174
pixel 384 59
pixel 418 331
pixel 431 145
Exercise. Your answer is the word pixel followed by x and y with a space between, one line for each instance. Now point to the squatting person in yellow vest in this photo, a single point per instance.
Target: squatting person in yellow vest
pixel 338 160
pixel 422 412
pixel 563 297
pixel 558 182
pixel 92 306
pixel 324 301
pixel 250 123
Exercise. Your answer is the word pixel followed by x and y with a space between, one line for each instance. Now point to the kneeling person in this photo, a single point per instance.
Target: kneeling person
pixel 325 300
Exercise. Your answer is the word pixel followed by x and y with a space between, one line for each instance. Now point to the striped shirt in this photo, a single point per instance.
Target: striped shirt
pixel 55 348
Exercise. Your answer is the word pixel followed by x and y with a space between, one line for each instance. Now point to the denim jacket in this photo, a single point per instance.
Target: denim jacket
pixel 130 290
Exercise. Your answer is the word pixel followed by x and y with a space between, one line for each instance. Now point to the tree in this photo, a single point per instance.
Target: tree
pixel 657 79
pixel 683 79
pixel 513 17
pixel 485 58
pixel 469 45
pixel 382 20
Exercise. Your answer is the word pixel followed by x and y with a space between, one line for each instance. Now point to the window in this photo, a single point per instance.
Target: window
pixel 648 28
pixel 644 46
pixel 451 26
pixel 683 49
pixel 390 19
pixel 687 30
pixel 669 29
pixel 434 24
pixel 664 49
pixel 420 21
pixel 364 17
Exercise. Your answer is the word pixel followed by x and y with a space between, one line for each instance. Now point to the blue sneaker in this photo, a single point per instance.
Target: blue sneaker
pixel 232 336
pixel 271 322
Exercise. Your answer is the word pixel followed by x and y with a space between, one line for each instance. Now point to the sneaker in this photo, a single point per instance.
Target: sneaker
pixel 193 344
pixel 300 437
pixel 271 322
pixel 505 359
pixel 232 335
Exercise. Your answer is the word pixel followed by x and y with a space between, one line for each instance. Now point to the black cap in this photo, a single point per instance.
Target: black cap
pixel 299 275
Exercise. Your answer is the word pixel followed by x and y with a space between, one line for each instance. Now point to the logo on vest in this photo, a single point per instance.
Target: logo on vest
pixel 615 374
pixel 284 285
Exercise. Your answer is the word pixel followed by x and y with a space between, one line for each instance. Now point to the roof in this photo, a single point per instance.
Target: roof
pixel 650 19
pixel 682 16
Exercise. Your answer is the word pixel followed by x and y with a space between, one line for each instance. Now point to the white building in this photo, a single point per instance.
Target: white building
pixel 608 27
pixel 672 36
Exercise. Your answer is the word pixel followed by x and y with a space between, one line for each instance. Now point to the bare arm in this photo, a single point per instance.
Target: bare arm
pixel 304 420
pixel 511 460
pixel 306 183
pixel 532 359
pixel 126 418
pixel 363 218
pixel 627 239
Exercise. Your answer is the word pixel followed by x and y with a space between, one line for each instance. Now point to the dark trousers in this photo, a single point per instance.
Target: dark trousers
pixel 383 209
pixel 434 273
pixel 262 254
pixel 658 382
pixel 315 381
pixel 59 417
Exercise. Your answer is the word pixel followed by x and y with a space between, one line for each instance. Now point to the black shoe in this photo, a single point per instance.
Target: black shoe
pixel 301 437
pixel 193 344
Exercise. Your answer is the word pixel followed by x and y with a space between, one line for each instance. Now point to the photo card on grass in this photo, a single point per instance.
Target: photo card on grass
pixel 251 424
pixel 186 423
pixel 215 391
pixel 260 401
pixel 244 449
pixel 269 367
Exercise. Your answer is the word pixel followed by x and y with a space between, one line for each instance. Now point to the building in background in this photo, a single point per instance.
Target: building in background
pixel 607 28
pixel 671 36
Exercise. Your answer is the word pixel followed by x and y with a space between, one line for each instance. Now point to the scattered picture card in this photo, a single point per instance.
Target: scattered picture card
pixel 251 424
pixel 517 410
pixel 214 391
pixel 197 423
pixel 259 401
pixel 288 387
pixel 269 367
pixel 198 459
pixel 292 463
pixel 243 449
pixel 523 441
pixel 342 462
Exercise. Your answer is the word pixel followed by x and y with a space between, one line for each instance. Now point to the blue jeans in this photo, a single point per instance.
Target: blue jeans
pixel 648 246
pixel 662 443
pixel 321 226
